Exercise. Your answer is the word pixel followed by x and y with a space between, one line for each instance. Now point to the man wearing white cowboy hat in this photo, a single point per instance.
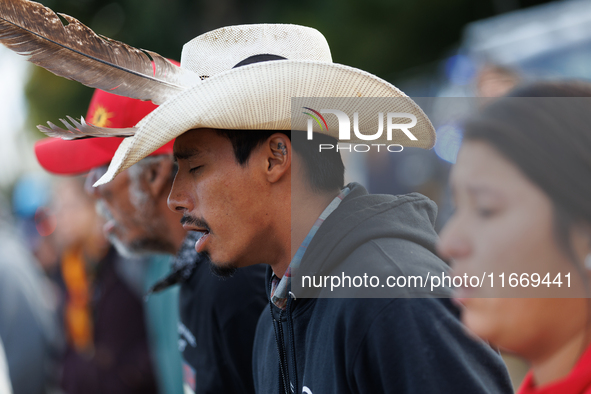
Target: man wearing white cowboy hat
pixel 258 196
pixel 262 194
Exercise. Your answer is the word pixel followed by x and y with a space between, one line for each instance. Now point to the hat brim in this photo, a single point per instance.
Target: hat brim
pixel 258 97
pixel 80 156
pixel 75 157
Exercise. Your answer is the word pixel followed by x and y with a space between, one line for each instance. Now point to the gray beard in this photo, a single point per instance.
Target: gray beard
pixel 123 249
pixel 136 248
pixel 141 247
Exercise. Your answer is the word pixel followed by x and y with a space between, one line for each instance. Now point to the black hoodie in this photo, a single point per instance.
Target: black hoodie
pixel 372 345
pixel 218 319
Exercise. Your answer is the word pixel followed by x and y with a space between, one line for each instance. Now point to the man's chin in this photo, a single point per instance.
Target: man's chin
pixel 223 270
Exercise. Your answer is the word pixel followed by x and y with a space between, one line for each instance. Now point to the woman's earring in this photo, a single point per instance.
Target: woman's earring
pixel 588 261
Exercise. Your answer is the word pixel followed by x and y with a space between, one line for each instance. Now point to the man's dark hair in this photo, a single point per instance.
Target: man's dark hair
pixel 325 170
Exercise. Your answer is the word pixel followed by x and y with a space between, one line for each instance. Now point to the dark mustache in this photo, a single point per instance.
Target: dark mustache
pixel 201 223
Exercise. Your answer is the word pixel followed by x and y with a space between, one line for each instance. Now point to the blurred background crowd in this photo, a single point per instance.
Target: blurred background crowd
pixel 69 303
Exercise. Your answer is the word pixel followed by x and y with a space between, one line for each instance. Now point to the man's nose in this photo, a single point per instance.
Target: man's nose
pixel 177 200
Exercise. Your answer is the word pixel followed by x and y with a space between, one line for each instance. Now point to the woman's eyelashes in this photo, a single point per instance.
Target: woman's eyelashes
pixel 486 212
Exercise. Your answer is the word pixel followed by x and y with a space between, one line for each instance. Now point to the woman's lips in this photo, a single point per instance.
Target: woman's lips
pixel 200 244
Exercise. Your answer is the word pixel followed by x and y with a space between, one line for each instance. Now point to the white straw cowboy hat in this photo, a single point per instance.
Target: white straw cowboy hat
pixel 234 94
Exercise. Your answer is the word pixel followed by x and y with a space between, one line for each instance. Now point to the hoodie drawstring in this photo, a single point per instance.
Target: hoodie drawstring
pixel 283 362
pixel 291 340
pixel 280 351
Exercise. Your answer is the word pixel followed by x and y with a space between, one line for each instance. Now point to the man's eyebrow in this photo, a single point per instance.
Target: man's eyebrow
pixel 186 154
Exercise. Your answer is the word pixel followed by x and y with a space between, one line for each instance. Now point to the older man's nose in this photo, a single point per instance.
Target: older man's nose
pixel 91 178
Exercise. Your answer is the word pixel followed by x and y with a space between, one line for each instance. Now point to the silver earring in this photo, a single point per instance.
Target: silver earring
pixel 588 261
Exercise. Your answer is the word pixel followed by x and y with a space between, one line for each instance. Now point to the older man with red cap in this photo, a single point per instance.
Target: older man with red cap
pixel 115 320
pixel 216 352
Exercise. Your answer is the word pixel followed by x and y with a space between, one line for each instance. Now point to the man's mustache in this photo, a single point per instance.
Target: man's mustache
pixel 197 222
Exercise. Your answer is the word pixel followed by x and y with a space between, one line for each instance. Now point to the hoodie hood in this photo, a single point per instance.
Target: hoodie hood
pixel 362 217
pixel 398 226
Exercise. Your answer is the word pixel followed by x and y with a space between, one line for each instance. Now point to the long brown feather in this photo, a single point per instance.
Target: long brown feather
pixel 81 130
pixel 75 52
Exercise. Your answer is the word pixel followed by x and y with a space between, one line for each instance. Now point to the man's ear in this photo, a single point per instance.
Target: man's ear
pixel 279 154
pixel 158 176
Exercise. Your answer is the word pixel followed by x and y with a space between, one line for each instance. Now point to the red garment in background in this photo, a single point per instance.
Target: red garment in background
pixel 578 380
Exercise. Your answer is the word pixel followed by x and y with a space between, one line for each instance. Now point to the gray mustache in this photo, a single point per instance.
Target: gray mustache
pixel 102 210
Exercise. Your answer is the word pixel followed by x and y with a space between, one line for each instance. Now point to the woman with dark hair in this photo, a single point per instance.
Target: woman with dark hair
pixel 522 188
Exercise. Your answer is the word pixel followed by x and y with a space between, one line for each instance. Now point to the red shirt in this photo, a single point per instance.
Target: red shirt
pixel 578 381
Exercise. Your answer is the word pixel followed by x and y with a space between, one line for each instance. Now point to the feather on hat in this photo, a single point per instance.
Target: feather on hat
pixel 215 87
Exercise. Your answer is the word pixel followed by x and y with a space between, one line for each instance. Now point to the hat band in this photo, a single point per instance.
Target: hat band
pixel 259 58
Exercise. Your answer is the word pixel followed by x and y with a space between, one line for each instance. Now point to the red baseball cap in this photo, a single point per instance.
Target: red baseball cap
pixel 79 156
